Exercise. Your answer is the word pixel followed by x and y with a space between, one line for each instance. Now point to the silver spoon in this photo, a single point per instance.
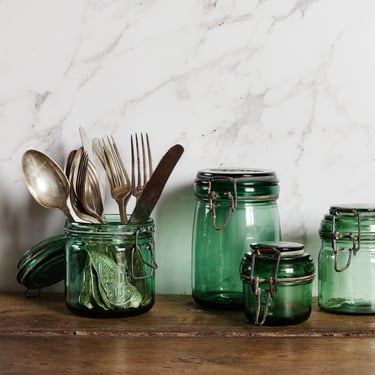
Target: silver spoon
pixel 46 181
pixel 84 197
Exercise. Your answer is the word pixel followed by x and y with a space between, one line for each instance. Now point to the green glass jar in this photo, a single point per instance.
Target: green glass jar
pixel 234 207
pixel 109 268
pixel 346 265
pixel 277 283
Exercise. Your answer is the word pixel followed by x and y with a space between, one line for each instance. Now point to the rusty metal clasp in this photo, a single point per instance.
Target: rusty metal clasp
pixel 356 241
pixel 138 250
pixel 255 281
pixel 214 196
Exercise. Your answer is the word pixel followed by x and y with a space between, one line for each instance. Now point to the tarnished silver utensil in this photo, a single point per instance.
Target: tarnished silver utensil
pixel 140 157
pixel 85 197
pixel 46 181
pixel 117 175
pixel 89 146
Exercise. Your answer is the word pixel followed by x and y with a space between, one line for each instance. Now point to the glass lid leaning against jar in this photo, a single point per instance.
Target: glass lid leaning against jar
pixel 346 265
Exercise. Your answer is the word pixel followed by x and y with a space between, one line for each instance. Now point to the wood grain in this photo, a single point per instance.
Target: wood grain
pixel 40 336
pixel 170 316
pixel 187 355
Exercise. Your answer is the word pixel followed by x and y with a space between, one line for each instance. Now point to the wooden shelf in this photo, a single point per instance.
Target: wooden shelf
pixel 39 335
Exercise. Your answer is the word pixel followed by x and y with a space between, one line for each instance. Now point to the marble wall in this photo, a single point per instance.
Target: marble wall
pixel 281 84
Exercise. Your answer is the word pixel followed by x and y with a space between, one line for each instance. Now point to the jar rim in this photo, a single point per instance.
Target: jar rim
pixel 350 207
pixel 241 183
pixel 245 175
pixel 286 248
pixel 346 219
pixel 111 227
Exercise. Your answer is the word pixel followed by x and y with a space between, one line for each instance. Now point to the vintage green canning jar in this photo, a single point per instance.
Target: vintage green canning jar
pixel 277 283
pixel 234 207
pixel 346 265
pixel 109 268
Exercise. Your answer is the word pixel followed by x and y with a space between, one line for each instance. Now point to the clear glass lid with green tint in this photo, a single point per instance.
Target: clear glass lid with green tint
pixel 280 260
pixel 43 264
pixel 241 183
pixel 349 218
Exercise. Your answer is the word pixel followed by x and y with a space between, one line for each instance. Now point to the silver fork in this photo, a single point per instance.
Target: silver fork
pixel 117 175
pixel 138 183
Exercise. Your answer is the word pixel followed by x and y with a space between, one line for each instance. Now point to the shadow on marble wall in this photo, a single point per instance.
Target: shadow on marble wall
pixel 21 227
pixel 174 222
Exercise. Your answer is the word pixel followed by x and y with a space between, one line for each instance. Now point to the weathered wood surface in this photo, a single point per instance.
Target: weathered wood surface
pixel 40 336
pixel 186 355
pixel 170 316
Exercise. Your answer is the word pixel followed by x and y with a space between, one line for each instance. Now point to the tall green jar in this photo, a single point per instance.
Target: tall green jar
pixel 234 208
pixel 110 268
pixel 346 265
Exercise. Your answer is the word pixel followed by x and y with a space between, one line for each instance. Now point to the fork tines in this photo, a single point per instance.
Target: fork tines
pixel 142 157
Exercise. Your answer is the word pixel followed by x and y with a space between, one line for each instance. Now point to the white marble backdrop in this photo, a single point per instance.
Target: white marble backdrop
pixel 281 84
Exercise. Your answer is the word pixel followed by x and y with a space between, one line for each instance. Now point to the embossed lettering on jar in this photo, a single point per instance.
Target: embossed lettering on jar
pixel 234 207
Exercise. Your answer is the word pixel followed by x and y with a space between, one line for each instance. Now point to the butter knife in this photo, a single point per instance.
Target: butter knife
pixel 155 185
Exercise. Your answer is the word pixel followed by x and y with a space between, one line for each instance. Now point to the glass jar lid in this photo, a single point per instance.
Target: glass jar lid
pixel 287 249
pixel 247 183
pixel 280 260
pixel 347 219
pixel 43 264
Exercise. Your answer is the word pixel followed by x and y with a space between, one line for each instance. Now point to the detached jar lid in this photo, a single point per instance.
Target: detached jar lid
pixel 43 264
pixel 246 183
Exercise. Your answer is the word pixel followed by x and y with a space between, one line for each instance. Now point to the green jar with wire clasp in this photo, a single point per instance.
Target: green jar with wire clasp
pixel 277 283
pixel 110 268
pixel 346 264
pixel 234 207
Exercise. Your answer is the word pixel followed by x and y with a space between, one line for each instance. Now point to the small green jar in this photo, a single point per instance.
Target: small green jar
pixel 109 268
pixel 346 266
pixel 234 207
pixel 277 283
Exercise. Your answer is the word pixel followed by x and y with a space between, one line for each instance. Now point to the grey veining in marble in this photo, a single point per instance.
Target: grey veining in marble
pixel 285 85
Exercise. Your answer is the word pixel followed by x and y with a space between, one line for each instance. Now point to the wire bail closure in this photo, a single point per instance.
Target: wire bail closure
pixel 213 196
pixel 356 242
pixel 137 249
pixel 272 283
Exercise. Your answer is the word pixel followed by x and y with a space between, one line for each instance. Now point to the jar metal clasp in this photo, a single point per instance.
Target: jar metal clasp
pixel 356 241
pixel 213 196
pixel 152 265
pixel 272 283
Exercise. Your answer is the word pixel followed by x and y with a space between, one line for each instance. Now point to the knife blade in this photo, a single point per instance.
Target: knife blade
pixel 155 185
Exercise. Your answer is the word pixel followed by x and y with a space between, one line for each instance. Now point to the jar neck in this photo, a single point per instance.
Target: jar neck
pixel 112 227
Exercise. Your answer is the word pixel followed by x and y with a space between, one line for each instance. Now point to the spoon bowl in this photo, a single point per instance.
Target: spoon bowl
pixel 46 181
